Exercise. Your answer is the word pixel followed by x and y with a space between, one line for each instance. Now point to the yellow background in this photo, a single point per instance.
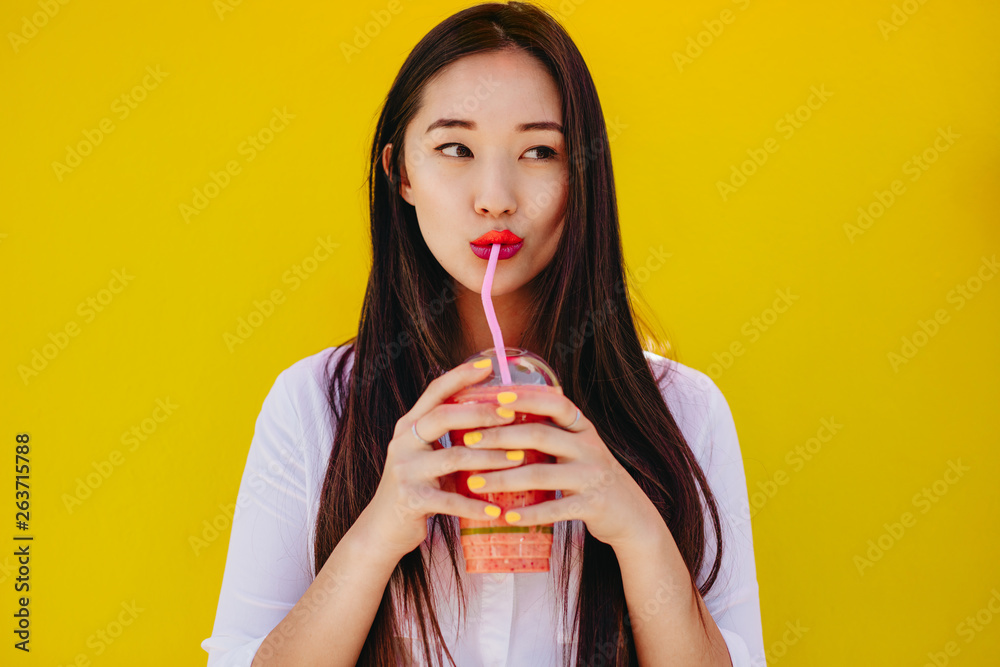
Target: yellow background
pixel 681 131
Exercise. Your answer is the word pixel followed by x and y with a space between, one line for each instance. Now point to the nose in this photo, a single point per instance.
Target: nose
pixel 495 194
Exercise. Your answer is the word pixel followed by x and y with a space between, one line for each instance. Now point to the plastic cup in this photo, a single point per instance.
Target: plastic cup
pixel 493 545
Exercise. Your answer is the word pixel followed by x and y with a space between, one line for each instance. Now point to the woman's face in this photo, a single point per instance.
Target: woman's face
pixel 479 170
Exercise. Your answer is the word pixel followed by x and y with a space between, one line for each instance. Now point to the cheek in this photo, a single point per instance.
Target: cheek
pixel 553 214
pixel 548 204
pixel 435 186
pixel 428 194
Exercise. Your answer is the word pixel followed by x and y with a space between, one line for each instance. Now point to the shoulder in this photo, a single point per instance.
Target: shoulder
pixel 704 416
pixel 308 379
pixel 301 392
pixel 692 396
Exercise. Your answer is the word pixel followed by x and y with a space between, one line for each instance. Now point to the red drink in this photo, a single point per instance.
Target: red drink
pixel 493 545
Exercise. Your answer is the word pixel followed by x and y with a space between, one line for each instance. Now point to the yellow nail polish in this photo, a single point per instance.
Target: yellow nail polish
pixel 512 517
pixel 505 412
pixel 506 397
pixel 472 437
pixel 492 511
pixel 515 455
pixel 476 482
pixel 483 363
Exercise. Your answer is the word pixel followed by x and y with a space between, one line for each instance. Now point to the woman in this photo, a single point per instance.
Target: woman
pixel 344 547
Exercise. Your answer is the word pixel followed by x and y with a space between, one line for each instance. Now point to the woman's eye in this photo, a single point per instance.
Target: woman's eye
pixel 457 147
pixel 541 152
pixel 546 152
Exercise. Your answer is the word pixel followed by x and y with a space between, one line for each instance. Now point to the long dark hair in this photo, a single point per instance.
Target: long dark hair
pixel 581 321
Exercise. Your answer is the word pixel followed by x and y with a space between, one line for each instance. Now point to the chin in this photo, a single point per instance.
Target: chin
pixel 474 283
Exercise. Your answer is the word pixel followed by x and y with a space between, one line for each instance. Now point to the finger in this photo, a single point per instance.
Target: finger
pixel 565 477
pixel 459 417
pixel 555 406
pixel 446 461
pixel 443 387
pixel 455 504
pixel 550 511
pixel 546 439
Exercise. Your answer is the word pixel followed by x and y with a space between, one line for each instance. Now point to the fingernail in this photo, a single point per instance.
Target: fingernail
pixel 483 363
pixel 512 517
pixel 506 397
pixel 472 437
pixel 515 455
pixel 492 511
pixel 506 413
pixel 476 482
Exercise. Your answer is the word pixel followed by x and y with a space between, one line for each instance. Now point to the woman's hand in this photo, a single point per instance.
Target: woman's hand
pixel 595 487
pixel 409 490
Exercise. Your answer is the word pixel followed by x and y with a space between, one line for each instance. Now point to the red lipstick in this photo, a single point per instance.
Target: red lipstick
pixel 506 237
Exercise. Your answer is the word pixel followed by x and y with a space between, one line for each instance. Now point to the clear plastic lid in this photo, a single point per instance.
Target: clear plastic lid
pixel 526 368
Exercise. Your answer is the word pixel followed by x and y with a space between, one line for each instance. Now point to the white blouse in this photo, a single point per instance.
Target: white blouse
pixel 511 619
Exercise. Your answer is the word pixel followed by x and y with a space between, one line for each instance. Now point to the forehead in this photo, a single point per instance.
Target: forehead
pixel 498 90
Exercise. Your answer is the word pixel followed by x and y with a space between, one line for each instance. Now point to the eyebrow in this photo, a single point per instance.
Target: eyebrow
pixel 471 125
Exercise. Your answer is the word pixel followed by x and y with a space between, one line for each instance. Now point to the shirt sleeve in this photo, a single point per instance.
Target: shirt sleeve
pixel 734 600
pixel 267 566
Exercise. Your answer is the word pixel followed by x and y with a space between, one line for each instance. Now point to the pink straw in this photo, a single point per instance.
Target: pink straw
pixel 491 317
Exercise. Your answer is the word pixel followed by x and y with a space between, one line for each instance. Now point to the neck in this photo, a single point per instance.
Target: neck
pixel 511 311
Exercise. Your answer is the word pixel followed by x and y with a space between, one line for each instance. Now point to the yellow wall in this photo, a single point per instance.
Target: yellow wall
pixel 680 127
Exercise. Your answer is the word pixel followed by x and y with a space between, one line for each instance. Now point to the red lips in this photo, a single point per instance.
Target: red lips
pixel 506 237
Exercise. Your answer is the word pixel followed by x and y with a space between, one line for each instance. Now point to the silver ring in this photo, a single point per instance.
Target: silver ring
pixel 415 435
pixel 567 428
